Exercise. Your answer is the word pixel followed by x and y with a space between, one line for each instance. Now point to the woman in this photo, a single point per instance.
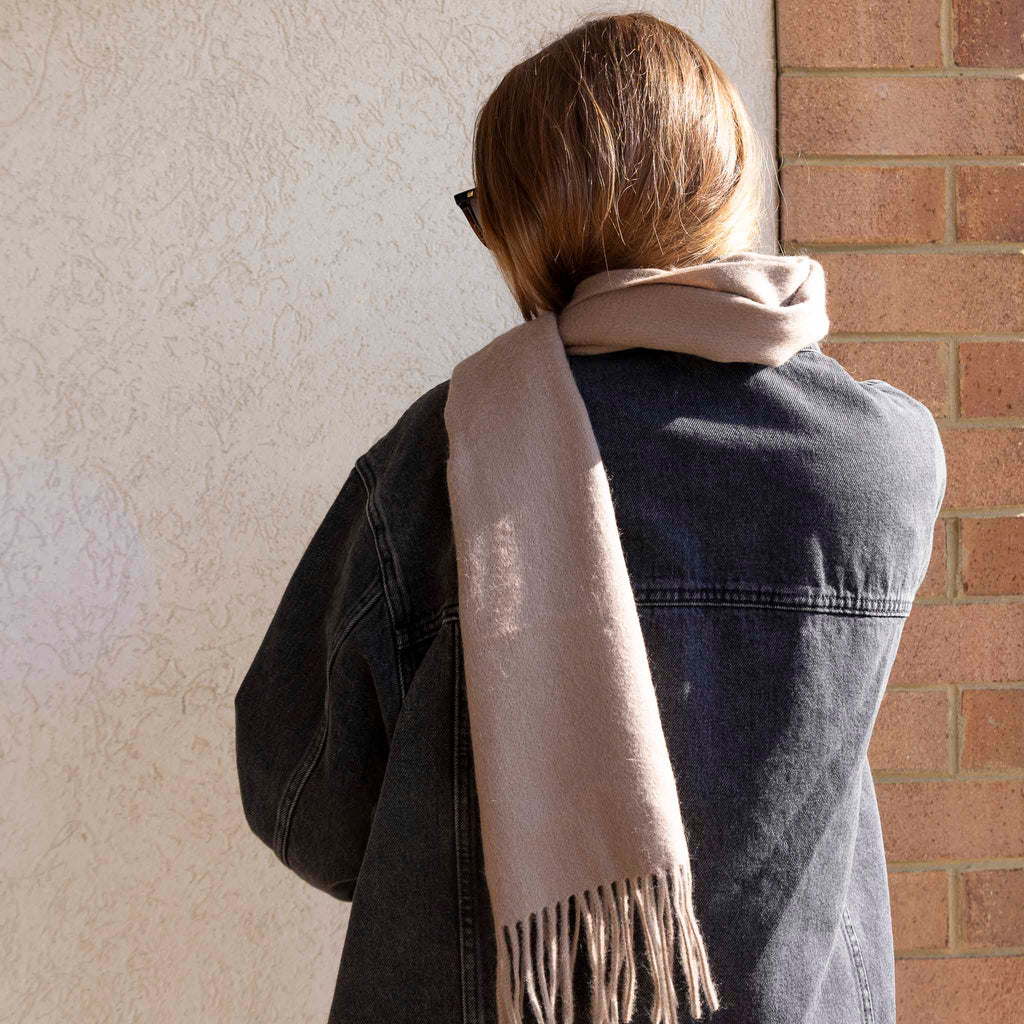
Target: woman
pixel 571 693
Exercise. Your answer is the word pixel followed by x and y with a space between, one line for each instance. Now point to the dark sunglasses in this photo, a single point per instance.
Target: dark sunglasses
pixel 467 204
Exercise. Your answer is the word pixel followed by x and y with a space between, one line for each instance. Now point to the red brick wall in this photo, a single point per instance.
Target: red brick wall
pixel 901 139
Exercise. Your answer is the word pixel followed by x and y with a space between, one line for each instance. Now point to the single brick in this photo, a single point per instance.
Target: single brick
pixel 934 293
pixel 880 115
pixel 877 205
pixel 960 990
pixel 919 903
pixel 993 730
pixel 984 466
pixel 834 33
pixel 911 734
pixel 951 820
pixel 960 643
pixel 988 33
pixel 992 907
pixel 992 376
pixel 992 555
pixel 988 203
pixel 921 368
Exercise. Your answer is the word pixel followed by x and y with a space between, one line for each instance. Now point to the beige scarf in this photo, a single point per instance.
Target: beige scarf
pixel 576 792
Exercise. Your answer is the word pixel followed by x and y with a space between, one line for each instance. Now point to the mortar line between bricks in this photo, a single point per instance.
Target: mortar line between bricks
pixel 988 953
pixel 925 688
pixel 937 72
pixel 937 687
pixel 986 512
pixel 917 248
pixel 950 179
pixel 964 864
pixel 907 160
pixel 981 422
pixel 886 778
pixel 986 422
pixel 840 337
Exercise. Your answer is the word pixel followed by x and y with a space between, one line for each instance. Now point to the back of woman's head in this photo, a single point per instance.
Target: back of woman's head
pixel 620 144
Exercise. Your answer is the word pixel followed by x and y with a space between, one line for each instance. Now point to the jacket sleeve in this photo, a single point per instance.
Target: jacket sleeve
pixel 311 737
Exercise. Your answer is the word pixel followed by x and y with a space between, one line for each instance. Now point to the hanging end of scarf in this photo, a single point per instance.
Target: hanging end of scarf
pixel 536 958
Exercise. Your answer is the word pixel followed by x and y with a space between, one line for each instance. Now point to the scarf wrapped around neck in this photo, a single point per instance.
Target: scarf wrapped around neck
pixel 576 792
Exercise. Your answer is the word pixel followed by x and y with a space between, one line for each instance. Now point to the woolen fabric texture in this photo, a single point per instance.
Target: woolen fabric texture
pixel 579 809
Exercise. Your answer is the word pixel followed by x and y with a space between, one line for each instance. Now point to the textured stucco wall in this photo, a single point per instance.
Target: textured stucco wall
pixel 230 258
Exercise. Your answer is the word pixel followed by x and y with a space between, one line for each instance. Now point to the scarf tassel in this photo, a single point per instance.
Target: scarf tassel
pixel 608 923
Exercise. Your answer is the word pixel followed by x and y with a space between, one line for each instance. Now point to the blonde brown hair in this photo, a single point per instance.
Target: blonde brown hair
pixel 620 144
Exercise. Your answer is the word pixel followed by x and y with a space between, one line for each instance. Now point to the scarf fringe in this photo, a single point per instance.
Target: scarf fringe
pixel 607 917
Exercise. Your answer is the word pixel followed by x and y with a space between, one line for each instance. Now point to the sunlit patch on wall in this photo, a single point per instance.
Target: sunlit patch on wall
pixel 74 573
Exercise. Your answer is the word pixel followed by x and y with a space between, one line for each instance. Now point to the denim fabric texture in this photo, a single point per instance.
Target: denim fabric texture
pixel 776 524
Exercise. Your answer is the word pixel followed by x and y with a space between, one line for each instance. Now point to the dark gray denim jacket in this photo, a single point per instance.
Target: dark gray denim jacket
pixel 776 524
